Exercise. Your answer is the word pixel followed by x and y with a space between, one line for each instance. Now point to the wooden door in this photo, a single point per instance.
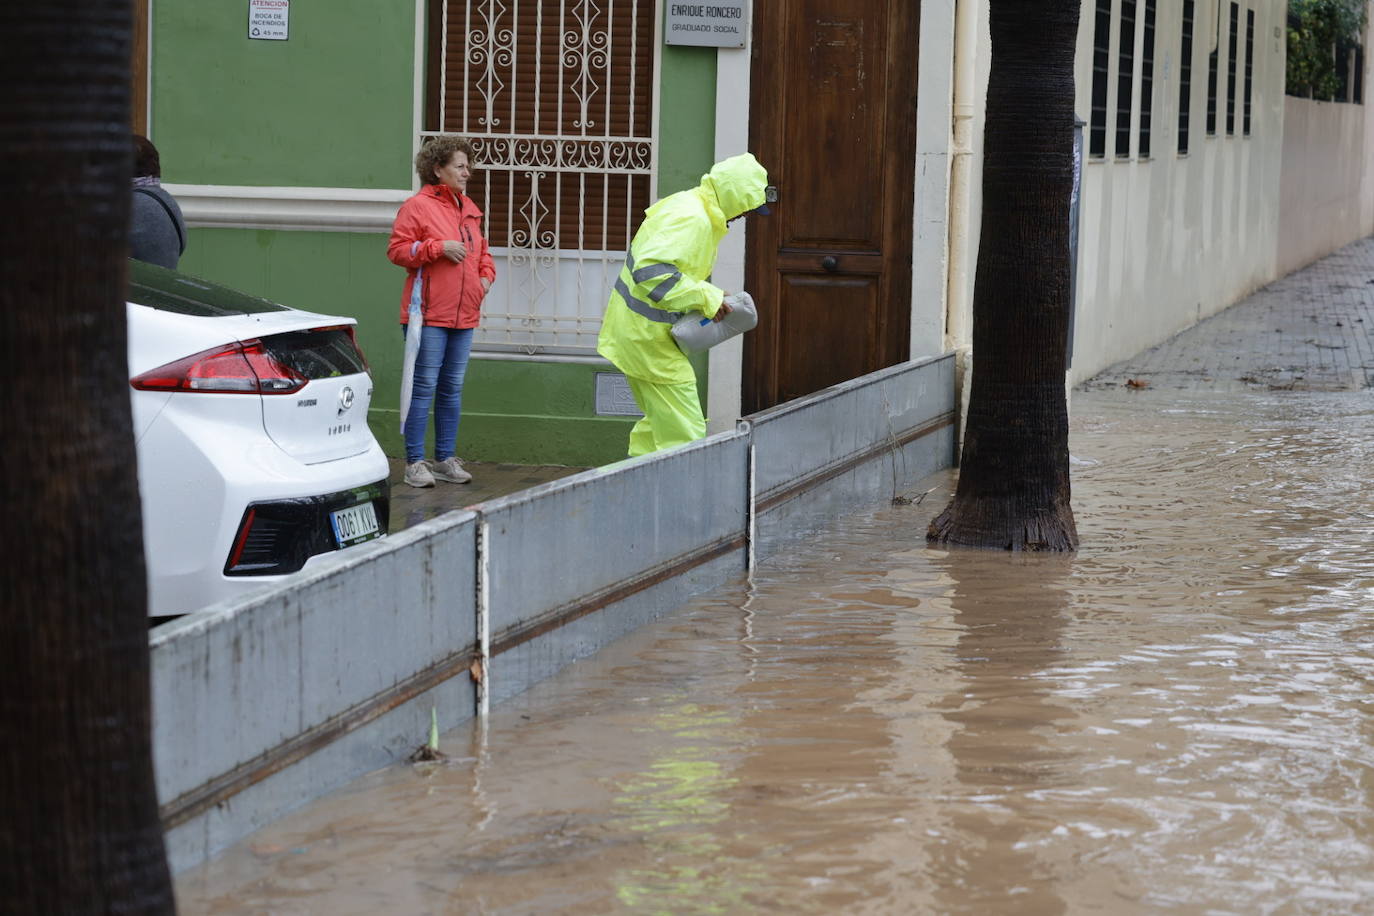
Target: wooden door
pixel 833 119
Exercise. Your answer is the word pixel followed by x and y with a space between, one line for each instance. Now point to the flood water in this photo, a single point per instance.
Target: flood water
pixel 1177 718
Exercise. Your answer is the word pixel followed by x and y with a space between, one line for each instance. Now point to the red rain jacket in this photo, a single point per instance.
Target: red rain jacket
pixel 452 293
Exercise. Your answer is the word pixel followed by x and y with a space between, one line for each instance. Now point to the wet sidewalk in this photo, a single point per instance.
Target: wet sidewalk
pixel 1310 331
pixel 411 505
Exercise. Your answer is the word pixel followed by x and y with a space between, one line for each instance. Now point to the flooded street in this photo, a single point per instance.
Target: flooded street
pixel 1177 718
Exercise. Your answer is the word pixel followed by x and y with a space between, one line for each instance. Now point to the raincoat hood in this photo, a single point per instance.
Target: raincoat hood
pixel 738 184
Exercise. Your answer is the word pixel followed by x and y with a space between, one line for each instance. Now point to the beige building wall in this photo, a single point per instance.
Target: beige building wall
pixel 1169 239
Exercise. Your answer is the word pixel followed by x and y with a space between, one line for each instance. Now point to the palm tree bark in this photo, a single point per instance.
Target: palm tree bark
pixel 80 828
pixel 1013 490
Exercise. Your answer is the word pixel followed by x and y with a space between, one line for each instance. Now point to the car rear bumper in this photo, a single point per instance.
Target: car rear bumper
pixel 277 537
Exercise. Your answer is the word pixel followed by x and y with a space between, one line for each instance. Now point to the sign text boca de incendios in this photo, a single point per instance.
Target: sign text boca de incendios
pixel 713 25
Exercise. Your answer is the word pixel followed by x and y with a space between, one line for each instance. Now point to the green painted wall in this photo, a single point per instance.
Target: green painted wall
pixel 331 107
pixel 328 107
pixel 686 118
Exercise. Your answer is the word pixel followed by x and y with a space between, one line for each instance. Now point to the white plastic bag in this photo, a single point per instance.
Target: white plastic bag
pixel 415 323
pixel 694 332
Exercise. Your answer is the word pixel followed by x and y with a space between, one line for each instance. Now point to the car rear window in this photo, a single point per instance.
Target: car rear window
pixel 173 291
pixel 317 354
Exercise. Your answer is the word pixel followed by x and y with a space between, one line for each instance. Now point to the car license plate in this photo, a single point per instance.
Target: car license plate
pixel 355 524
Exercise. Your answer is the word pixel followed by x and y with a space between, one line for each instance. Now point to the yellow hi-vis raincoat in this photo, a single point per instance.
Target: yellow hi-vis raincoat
pixel 665 271
pixel 665 275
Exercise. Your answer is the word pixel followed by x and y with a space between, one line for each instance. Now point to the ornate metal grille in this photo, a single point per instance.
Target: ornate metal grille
pixel 557 99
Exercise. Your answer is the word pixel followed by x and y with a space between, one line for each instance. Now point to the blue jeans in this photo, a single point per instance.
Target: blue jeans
pixel 439 369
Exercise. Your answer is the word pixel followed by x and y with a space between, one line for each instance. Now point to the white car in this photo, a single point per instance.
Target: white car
pixel 254 453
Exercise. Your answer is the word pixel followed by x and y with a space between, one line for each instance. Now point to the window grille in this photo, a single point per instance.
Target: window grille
pixel 1185 76
pixel 1357 93
pixel 1349 72
pixel 1147 78
pixel 1212 92
pixel 557 100
pixel 1249 69
pixel 1097 126
pixel 1125 79
pixel 1231 53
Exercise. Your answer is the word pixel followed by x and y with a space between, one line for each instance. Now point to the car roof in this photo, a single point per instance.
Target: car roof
pixel 173 291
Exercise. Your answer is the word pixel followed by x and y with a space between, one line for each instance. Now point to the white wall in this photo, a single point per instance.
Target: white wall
pixel 1327 191
pixel 930 236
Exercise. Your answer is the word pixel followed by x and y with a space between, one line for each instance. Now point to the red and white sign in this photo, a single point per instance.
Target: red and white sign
pixel 268 19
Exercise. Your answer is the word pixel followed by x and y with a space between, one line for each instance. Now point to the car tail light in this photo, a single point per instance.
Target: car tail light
pixel 246 368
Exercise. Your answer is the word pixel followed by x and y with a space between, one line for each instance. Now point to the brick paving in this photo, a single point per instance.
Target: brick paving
pixel 1312 330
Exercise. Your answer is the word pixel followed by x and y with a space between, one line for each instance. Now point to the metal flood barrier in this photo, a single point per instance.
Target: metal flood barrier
pixel 263 704
pixel 852 444
pixel 573 564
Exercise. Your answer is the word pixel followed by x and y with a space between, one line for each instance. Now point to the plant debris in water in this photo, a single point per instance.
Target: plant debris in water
pixel 429 751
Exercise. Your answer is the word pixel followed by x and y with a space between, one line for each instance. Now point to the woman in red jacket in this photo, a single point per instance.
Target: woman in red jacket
pixel 437 238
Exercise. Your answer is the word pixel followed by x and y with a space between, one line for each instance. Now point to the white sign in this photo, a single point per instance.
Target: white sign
pixel 268 19
pixel 711 25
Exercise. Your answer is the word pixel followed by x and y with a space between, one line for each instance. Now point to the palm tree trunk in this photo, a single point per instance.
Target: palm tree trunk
pixel 1013 490
pixel 80 824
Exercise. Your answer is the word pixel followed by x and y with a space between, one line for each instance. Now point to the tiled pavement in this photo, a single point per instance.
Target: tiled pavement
pixel 1312 330
pixel 411 505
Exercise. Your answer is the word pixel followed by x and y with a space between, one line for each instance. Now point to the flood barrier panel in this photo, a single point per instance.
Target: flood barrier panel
pixel 578 562
pixel 861 442
pixel 263 704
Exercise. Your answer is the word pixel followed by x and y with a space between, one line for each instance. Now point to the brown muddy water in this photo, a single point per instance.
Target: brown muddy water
pixel 1178 718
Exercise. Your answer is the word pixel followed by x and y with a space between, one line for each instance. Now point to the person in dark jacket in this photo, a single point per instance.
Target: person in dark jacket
pixel 157 231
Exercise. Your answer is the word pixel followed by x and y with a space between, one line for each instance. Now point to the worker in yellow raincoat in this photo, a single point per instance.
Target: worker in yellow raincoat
pixel 664 276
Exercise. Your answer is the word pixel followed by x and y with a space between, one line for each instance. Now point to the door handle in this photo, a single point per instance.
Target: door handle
pixel 830 263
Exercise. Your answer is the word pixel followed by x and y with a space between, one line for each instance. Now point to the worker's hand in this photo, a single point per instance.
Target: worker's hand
pixel 486 286
pixel 455 251
pixel 724 310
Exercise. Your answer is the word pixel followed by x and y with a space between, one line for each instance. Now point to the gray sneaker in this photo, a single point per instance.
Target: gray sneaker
pixel 451 470
pixel 418 475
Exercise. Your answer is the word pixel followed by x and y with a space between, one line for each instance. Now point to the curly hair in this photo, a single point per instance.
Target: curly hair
pixel 436 153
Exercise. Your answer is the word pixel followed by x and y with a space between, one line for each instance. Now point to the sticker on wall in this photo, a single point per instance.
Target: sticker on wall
pixel 268 19
pixel 613 396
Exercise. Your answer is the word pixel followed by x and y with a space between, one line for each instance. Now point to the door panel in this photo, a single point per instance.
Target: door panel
pixel 830 122
pixel 833 105
pixel 826 333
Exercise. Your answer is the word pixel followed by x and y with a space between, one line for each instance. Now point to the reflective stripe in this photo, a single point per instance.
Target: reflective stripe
pixel 653 270
pixel 664 288
pixel 642 308
pixel 639 306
